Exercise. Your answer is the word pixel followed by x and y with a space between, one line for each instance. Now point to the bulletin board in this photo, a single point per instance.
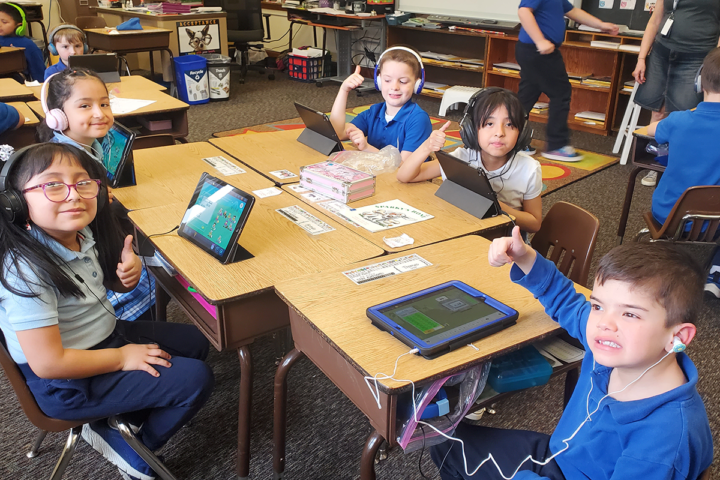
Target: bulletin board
pixel 621 12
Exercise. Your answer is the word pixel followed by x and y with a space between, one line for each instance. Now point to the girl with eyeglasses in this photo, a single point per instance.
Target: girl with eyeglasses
pixel 61 249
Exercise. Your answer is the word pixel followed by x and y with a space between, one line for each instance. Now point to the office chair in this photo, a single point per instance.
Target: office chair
pixel 48 424
pixel 696 208
pixel 244 25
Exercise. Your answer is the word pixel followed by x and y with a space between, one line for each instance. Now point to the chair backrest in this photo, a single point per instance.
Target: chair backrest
pixel 698 207
pixel 25 396
pixel 242 15
pixel 571 232
pixel 152 141
pixel 90 22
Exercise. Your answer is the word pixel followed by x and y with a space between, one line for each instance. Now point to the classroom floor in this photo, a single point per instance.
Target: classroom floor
pixel 329 446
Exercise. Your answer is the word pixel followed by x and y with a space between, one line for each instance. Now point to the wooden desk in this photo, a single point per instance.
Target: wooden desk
pixel 330 327
pixel 124 42
pixel 449 222
pixel 25 135
pixel 125 85
pixel 13 91
pixel 642 160
pixel 165 107
pixel 12 59
pixel 269 152
pixel 241 304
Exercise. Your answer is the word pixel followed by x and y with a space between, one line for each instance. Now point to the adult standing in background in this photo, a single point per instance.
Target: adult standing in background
pixel 677 38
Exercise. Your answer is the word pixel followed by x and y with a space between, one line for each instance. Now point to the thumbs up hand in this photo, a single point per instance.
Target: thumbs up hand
pixel 436 140
pixel 512 249
pixel 353 81
pixel 129 268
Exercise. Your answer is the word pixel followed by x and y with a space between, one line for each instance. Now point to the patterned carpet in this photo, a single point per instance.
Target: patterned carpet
pixel 555 174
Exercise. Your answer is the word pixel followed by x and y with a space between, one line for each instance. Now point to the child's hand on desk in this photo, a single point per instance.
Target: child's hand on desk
pixel 545 47
pixel 142 357
pixel 130 267
pixel 511 249
pixel 356 136
pixel 436 140
pixel 353 81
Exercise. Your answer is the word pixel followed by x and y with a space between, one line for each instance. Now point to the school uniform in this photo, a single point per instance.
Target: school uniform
pixel 546 73
pixel 53 69
pixel 9 117
pixel 406 131
pixel 89 323
pixel 33 55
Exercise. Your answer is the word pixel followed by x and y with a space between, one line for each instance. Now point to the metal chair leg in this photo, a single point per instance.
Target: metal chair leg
pixel 36 444
pixel 67 453
pixel 144 452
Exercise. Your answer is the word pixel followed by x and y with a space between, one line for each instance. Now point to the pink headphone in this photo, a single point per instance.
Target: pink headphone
pixel 55 119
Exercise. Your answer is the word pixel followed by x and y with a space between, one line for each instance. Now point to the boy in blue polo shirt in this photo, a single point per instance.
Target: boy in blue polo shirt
pixel 399 121
pixel 12 34
pixel 542 69
pixel 691 160
pixel 65 41
pixel 10 118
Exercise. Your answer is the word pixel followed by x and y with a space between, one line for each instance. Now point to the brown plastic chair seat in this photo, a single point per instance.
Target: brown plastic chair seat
pixel 90 21
pixel 697 207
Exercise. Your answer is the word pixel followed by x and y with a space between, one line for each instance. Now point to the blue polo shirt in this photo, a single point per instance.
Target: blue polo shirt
pixel 409 128
pixel 53 69
pixel 550 17
pixel 33 55
pixel 9 117
pixel 692 159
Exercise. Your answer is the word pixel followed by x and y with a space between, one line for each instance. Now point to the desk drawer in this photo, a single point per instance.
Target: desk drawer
pixel 137 42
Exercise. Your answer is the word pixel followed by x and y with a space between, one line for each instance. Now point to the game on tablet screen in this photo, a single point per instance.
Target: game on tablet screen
pixel 212 219
pixel 114 145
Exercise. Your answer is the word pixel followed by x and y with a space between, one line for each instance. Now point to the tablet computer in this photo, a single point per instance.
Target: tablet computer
pixel 104 64
pixel 117 145
pixel 215 217
pixel 319 133
pixel 467 187
pixel 440 319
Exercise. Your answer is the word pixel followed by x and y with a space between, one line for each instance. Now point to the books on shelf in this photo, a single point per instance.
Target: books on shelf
pixel 621 29
pixel 448 60
pixel 591 118
pixel 435 87
pixel 540 108
pixel 507 66
pixel 602 82
pixel 629 48
pixel 578 77
pixel 629 85
pixel 604 44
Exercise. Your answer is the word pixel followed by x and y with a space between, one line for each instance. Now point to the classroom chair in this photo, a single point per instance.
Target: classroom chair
pixel 627 127
pixel 47 424
pixel 571 232
pixel 696 208
pixel 152 141
pixel 453 96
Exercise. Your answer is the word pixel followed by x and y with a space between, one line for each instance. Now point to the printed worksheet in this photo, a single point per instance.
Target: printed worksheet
pixel 305 220
pixel 386 215
pixel 388 268
pixel 223 165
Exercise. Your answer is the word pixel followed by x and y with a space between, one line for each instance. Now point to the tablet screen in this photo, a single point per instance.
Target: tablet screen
pixel 212 219
pixel 442 314
pixel 116 144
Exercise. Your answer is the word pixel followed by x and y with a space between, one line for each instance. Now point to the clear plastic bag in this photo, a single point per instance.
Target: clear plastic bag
pixel 386 160
pixel 470 383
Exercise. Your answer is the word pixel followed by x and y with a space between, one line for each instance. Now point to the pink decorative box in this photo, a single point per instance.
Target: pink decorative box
pixel 337 181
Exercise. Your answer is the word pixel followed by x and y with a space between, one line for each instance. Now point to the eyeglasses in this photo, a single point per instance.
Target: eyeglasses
pixel 59 192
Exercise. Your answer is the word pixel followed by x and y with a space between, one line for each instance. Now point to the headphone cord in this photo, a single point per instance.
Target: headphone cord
pixel 144 266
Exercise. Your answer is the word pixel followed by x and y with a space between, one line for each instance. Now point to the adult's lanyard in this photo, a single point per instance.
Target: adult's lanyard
pixel 675 2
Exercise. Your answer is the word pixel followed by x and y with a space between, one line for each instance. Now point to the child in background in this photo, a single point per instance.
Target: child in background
pixel 635 412
pixel 13 27
pixel 494 129
pixel 542 69
pixel 399 121
pixel 10 118
pixel 691 161
pixel 77 112
pixel 65 41
pixel 60 251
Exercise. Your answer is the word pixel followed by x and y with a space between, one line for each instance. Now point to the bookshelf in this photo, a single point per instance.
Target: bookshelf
pixel 579 55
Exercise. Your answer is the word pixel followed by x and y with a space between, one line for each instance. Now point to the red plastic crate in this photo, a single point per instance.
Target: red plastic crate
pixel 304 69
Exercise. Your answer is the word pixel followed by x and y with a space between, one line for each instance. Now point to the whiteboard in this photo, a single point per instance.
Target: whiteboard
pixel 491 9
pixel 505 10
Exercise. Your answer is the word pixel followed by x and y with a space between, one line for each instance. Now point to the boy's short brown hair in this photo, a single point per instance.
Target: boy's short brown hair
pixel 401 56
pixel 710 75
pixel 667 273
pixel 69 34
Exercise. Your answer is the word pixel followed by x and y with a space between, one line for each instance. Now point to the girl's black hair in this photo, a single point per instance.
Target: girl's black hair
pixel 12 11
pixel 59 89
pixel 489 103
pixel 20 249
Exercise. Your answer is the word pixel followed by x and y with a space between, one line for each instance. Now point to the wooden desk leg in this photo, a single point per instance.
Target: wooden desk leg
pixel 246 373
pixel 162 298
pixel 280 411
pixel 626 206
pixel 367 462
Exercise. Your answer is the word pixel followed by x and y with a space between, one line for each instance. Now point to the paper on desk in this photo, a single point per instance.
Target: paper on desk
pixel 397 242
pixel 308 222
pixel 120 106
pixel 34 83
pixel 267 192
pixel 338 209
pixel 283 174
pixel 223 165
pixel 560 349
pixel 297 188
pixel 388 268
pixel 315 197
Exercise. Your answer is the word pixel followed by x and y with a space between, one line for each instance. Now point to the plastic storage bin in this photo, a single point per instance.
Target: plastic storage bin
pixel 192 79
pixel 522 369
pixel 306 69
pixel 218 75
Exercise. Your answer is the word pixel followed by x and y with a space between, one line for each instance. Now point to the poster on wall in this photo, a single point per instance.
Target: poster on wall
pixel 198 36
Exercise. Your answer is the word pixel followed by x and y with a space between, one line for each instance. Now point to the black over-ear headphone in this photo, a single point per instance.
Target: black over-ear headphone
pixel 468 129
pixel 12 203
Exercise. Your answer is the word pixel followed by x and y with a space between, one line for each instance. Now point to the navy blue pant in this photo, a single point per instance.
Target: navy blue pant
pixel 545 74
pixel 163 404
pixel 508 447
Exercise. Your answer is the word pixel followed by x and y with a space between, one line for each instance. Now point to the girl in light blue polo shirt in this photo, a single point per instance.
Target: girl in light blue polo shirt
pixel 61 249
pixel 398 121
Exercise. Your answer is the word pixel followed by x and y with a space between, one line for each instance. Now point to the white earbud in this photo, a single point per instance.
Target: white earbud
pixel 678 345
